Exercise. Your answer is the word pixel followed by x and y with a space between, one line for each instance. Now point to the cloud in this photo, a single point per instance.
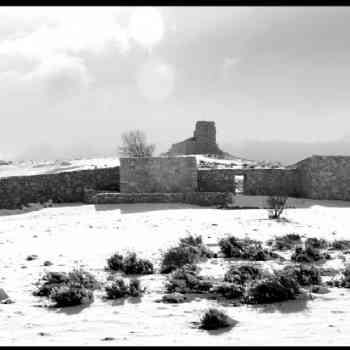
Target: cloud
pixel 61 76
pixel 69 30
pixel 46 48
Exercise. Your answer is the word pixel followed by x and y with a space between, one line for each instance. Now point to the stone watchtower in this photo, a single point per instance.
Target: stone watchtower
pixel 202 142
pixel 205 136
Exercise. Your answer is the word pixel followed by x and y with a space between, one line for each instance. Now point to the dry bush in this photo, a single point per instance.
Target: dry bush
pixel 53 280
pixel 71 295
pixel 242 274
pixel 119 289
pixel 276 203
pixel 115 262
pixel 135 289
pixel 318 243
pixel 186 280
pixel 130 264
pixel 277 288
pixel 173 298
pixel 190 250
pixel 246 249
pixel 304 274
pixel 83 278
pixel 308 255
pixel 135 266
pixel 286 242
pixel 345 280
pixel 214 319
pixel 49 281
pixel 341 244
pixel 228 290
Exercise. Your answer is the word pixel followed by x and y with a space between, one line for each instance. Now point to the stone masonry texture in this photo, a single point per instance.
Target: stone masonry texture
pixel 256 181
pixel 158 174
pixel 63 187
pixel 325 177
pixel 198 198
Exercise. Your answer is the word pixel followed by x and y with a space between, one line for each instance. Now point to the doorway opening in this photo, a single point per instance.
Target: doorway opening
pixel 239 184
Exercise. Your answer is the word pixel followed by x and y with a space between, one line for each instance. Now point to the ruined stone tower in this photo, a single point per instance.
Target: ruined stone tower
pixel 205 137
pixel 202 142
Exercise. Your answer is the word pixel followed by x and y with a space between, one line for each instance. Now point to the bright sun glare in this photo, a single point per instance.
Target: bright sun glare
pixel 146 26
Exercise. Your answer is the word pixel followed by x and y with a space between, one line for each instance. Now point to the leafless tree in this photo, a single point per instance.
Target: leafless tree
pixel 134 144
pixel 276 203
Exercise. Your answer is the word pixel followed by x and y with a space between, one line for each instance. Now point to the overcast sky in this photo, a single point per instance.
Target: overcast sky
pixel 272 78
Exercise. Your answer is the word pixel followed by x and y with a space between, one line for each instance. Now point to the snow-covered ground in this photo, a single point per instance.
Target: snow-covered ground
pixel 52 167
pixel 86 235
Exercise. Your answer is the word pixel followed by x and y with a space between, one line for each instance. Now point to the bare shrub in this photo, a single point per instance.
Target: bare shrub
pixel 276 204
pixel 215 319
pixel 134 144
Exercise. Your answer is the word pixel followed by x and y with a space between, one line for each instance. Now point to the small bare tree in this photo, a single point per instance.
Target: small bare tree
pixel 276 203
pixel 134 144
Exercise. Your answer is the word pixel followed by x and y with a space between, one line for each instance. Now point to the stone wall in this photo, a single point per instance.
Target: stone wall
pixel 216 180
pixel 62 187
pixel 158 174
pixel 256 181
pixel 198 198
pixel 272 181
pixel 325 177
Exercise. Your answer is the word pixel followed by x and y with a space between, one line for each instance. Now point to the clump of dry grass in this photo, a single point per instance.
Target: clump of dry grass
pixel 119 289
pixel 190 250
pixel 304 274
pixel 131 264
pixel 286 242
pixel 277 288
pixel 214 319
pixel 52 280
pixel 308 254
pixel 246 249
pixel 186 280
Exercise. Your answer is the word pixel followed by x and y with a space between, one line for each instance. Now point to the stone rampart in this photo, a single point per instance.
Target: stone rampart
pixel 64 187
